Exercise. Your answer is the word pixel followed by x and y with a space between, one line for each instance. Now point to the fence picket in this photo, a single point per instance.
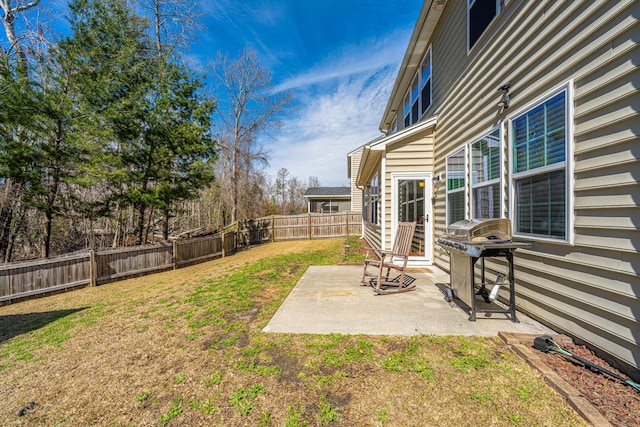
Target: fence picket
pixel 31 278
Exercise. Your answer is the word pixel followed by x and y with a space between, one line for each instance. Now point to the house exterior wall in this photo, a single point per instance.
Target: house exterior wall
pixel 414 154
pixel 356 193
pixel 372 234
pixel 328 205
pixel 589 289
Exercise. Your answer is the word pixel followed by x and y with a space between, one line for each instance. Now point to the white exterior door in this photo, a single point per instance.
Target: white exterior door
pixel 411 199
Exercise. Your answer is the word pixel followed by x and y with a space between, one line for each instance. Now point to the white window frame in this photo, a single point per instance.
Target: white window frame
pixel 372 200
pixel 500 4
pixel 428 228
pixel 567 165
pixel 464 188
pixel 422 109
pixel 473 186
pixel 408 100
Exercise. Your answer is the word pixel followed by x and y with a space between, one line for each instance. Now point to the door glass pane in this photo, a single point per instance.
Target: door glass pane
pixel 411 208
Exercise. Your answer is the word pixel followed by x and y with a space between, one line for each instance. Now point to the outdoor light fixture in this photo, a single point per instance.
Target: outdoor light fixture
pixel 436 179
pixel 504 101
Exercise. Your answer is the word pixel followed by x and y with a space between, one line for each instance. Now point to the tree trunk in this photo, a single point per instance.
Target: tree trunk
pixel 6 213
pixel 165 226
pixel 46 238
pixel 141 211
pixel 15 226
pixel 116 234
pixel 234 183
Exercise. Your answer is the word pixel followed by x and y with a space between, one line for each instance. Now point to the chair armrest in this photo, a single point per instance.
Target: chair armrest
pixel 388 253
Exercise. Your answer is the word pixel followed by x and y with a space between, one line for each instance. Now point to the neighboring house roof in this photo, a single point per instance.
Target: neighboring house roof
pixel 328 192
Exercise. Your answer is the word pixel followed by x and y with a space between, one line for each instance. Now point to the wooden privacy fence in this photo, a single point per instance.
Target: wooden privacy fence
pixel 25 279
pixel 276 228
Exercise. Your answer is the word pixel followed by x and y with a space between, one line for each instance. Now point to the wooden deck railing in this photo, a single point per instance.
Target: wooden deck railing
pixel 31 278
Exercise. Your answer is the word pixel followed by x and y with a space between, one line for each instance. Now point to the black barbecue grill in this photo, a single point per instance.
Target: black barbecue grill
pixel 470 240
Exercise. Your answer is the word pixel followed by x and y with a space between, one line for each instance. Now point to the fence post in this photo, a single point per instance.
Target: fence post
pixel 93 274
pixel 346 218
pixel 223 254
pixel 175 254
pixel 238 235
pixel 273 228
pixel 309 226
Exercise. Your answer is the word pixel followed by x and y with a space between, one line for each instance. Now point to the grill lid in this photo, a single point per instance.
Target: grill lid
pixel 479 229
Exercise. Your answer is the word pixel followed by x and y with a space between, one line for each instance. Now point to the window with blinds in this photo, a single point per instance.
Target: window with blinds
pixel 539 151
pixel 456 185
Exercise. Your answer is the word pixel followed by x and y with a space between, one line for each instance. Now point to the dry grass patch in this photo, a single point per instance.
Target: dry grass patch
pixel 185 348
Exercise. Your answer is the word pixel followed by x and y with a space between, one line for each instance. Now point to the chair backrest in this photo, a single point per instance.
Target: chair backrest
pixel 404 238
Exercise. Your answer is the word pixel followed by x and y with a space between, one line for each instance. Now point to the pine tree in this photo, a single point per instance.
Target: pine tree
pixel 154 124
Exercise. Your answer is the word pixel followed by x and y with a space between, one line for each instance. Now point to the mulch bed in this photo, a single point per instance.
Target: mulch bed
pixel 617 402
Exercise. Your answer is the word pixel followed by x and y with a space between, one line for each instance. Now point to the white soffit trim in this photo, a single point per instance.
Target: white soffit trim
pixel 404 133
pixel 368 165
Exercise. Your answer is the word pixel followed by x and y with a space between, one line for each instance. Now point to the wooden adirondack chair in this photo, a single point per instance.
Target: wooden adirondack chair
pixel 376 272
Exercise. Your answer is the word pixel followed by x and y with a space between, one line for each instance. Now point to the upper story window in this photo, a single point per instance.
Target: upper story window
pixel 456 185
pixel 425 82
pixel 485 176
pixel 480 13
pixel 541 177
pixel 418 98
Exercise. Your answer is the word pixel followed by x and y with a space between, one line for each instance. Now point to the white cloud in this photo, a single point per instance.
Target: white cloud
pixel 340 105
pixel 316 139
pixel 368 56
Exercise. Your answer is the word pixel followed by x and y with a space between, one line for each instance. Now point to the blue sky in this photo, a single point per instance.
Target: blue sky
pixel 338 58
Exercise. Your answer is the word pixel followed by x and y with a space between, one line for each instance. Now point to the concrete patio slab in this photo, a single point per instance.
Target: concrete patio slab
pixel 330 299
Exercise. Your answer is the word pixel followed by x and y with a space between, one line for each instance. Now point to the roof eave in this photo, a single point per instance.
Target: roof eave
pixel 372 152
pixel 418 44
pixel 419 127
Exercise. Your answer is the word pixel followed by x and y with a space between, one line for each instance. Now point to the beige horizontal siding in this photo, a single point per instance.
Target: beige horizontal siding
pixel 356 193
pixel 372 235
pixel 412 155
pixel 590 289
pixel 622 154
pixel 605 217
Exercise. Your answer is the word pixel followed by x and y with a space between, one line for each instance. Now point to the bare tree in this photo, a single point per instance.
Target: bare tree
pixel 282 181
pixel 8 20
pixel 248 109
pixel 296 189
pixel 15 99
pixel 174 22
pixel 313 182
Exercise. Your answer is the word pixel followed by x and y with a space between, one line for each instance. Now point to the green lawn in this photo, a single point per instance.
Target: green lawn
pixel 185 348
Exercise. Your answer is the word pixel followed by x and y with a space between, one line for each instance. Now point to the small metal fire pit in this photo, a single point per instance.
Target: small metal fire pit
pixel 468 241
